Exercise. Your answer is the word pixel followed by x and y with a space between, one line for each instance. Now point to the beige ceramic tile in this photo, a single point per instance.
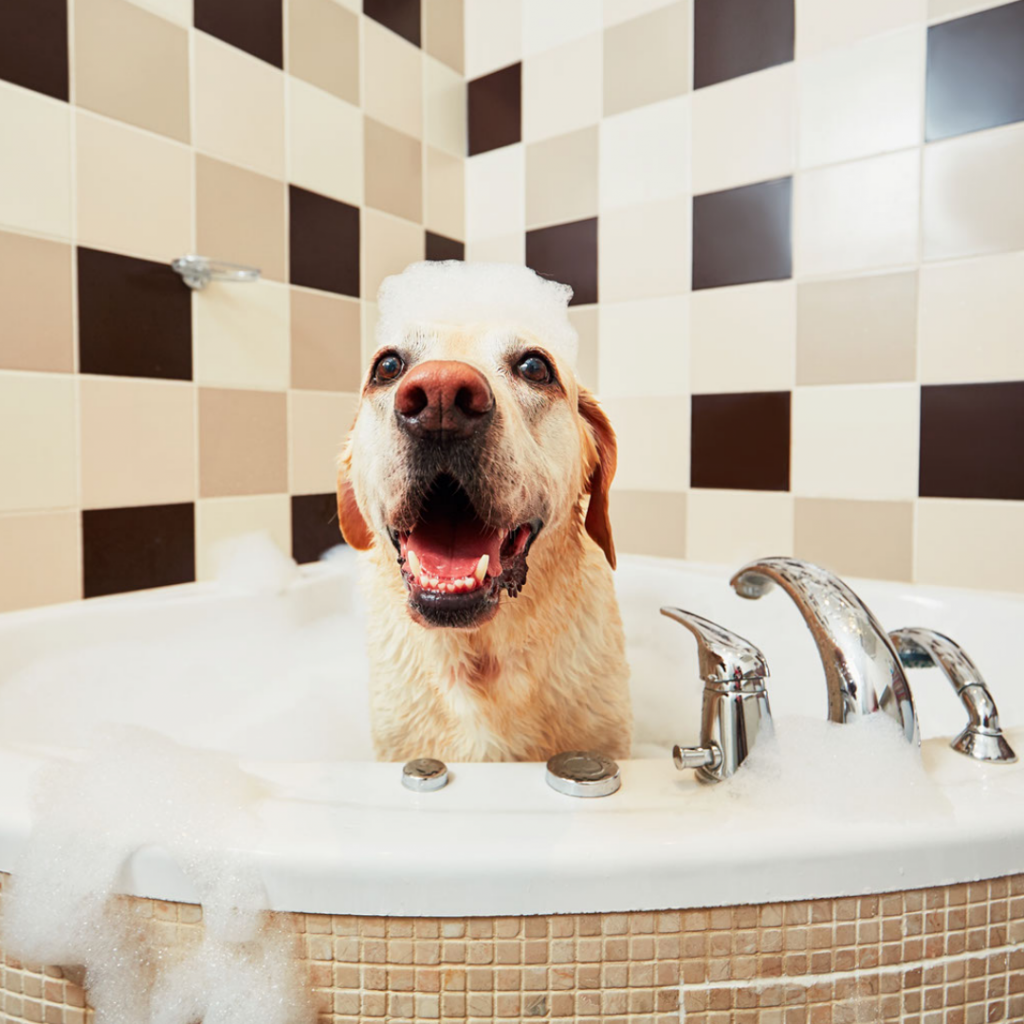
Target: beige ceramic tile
pixel 733 527
pixel 970 543
pixel 134 190
pixel 585 320
pixel 743 338
pixel 971 203
pixel 389 246
pixel 240 216
pixel 325 342
pixel 132 65
pixel 325 143
pixel 649 522
pixel 40 561
pixel 445 194
pixel 644 347
pixel 138 442
pixel 857 538
pixel 547 25
pixel 369 339
pixel 503 249
pixel 644 466
pixel 821 24
pixel 38 446
pixel 219 521
pixel 393 171
pixel 502 172
pixel 971 317
pixel 445 108
pixel 35 297
pixel 562 89
pixel 645 250
pixel 443 35
pixel 623 10
pixel 744 130
pixel 858 216
pixel 663 38
pixel 857 331
pixel 561 178
pixel 35 162
pixel 323 46
pixel 240 335
pixel 178 11
pixel 239 107
pixel 862 99
pixel 856 442
pixel 393 79
pixel 494 35
pixel 243 442
pixel 319 423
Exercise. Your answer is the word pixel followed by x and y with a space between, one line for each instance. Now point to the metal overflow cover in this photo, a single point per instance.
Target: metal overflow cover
pixel 583 773
pixel 425 774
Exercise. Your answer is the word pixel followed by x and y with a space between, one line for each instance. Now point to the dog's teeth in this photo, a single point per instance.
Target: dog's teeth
pixel 424 580
pixel 481 568
pixel 414 562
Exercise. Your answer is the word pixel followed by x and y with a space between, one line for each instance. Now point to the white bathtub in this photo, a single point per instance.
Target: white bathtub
pixel 344 837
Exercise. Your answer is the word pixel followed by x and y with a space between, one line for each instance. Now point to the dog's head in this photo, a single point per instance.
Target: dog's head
pixel 473 441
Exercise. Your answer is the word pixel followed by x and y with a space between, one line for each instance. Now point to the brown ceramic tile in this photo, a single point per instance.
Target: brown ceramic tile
pixel 443 27
pixel 567 253
pixel 323 242
pixel 742 235
pixel 134 317
pixel 649 522
pixel 314 525
pixel 34 45
pixel 325 342
pixel 255 26
pixel 736 37
pixel 323 46
pixel 35 297
pixel 975 72
pixel 243 442
pixel 495 109
pixel 740 442
pixel 972 436
pixel 136 548
pixel 401 16
pixel 393 173
pixel 440 248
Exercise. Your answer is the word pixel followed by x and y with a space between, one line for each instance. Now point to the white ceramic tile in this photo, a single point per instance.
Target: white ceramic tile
pixel 616 11
pixel 496 193
pixel 858 216
pixel 318 422
pixel 862 99
pixel 744 130
pixel 494 35
pixel 857 441
pixel 647 466
pixel 645 154
pixel 446 108
pixel 562 89
pixel 821 24
pixel 389 245
pixel 743 338
pixel 369 339
pixel 733 527
pixel 504 249
pixel 643 347
pixel 392 79
pixel 220 521
pixel 942 10
pixel 546 24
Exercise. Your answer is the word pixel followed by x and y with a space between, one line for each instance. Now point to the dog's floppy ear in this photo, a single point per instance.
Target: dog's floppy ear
pixel 598 523
pixel 354 527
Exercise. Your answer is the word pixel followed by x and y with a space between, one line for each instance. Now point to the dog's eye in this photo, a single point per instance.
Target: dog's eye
pixel 535 369
pixel 388 367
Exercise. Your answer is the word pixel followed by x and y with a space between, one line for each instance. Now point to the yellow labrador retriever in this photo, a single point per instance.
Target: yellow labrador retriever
pixel 476 475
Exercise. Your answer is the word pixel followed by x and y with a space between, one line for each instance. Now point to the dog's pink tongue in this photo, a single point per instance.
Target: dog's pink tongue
pixel 450 550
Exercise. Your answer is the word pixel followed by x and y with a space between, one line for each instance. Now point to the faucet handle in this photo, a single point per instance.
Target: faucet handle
pixel 727 661
pixel 982 738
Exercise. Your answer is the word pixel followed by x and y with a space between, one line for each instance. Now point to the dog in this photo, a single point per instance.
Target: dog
pixel 476 476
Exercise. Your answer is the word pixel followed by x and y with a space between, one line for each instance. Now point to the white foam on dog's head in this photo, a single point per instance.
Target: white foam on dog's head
pixel 464 294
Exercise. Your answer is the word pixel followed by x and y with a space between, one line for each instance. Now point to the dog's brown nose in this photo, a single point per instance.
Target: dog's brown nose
pixel 444 400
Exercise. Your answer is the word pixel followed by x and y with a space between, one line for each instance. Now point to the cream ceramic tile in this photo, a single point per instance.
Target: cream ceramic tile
pixel 644 347
pixel 240 335
pixel 393 171
pixel 734 527
pixel 858 216
pixel 562 89
pixel 325 143
pixel 585 320
pixel 970 543
pixel 445 108
pixel 941 10
pixel 561 178
pixel 744 130
pixel 645 250
pixel 863 99
pixel 178 11
pixel 970 321
pixel 649 522
pixel 443 35
pixel 325 341
pixel 138 442
pixel 821 24
pixel 134 190
pixel 319 421
pixel 445 194
pixel 547 25
pixel 219 521
pixel 393 79
pixel 323 46
pixel 499 173
pixel 743 338
pixel 856 441
pixel 40 560
pixel 644 466
pixel 369 332
pixel 494 35
pixel 239 104
pixel 35 162
pixel 38 441
pixel 971 203
pixel 389 246
pixel 624 10
pixel 645 154
pixel 503 249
